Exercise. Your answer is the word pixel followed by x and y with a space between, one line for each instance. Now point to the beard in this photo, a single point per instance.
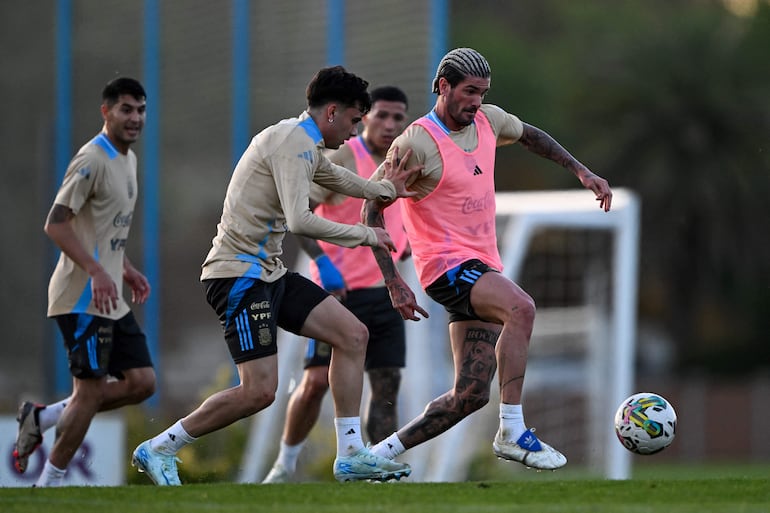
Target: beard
pixel 464 117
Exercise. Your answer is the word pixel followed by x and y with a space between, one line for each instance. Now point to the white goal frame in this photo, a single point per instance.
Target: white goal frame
pixel 611 359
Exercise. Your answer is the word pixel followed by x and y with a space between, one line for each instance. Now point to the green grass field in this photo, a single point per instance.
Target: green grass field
pixel 722 489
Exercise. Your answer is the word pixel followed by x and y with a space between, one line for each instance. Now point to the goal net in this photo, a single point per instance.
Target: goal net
pixel 580 265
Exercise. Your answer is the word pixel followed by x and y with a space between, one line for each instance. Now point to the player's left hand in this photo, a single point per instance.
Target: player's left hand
pixel 140 286
pixel 383 240
pixel 600 187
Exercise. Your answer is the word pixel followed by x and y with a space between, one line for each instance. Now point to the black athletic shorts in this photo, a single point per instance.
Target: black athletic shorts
pixel 453 289
pixel 251 311
pixel 97 346
pixel 387 334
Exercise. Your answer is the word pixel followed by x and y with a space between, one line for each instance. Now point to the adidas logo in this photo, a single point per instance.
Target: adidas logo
pixel 530 442
pixel 477 171
pixel 172 437
pixel 390 446
pixel 351 431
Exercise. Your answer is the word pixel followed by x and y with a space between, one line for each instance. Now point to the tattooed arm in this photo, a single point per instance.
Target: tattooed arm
pixel 540 143
pixel 401 295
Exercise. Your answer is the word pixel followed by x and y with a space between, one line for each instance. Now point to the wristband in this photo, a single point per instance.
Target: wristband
pixel 331 279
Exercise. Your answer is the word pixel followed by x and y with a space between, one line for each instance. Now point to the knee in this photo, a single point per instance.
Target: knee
pixel 140 387
pixel 144 390
pixel 522 310
pixel 255 401
pixel 385 383
pixel 356 338
pixel 315 383
pixel 361 337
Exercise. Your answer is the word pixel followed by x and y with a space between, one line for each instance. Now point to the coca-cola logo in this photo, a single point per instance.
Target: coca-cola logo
pixel 122 221
pixel 261 305
pixel 471 205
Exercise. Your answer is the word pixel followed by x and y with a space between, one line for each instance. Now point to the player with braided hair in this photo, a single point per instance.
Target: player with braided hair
pixel 461 63
pixel 450 223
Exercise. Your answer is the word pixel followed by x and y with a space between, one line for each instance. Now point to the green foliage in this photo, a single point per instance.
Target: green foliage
pixel 668 99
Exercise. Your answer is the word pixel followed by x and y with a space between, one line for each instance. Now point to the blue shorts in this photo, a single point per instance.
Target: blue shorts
pixel 251 311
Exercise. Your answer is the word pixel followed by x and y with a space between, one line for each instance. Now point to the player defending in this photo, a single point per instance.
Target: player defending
pixel 352 276
pixel 253 293
pixel 89 221
pixel 451 228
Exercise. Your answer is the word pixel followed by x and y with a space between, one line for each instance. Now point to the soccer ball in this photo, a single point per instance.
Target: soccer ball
pixel 645 423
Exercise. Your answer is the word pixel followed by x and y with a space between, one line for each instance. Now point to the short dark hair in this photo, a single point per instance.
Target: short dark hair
pixel 120 86
pixel 460 63
pixel 389 94
pixel 335 84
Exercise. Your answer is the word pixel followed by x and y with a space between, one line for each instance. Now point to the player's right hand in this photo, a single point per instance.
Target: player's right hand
pixel 404 300
pixel 400 174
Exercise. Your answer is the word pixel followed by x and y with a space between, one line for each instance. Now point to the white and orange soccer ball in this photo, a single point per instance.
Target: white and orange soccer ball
pixel 645 423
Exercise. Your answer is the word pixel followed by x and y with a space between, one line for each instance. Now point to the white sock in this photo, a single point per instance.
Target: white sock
pixel 389 448
pixel 171 440
pixel 288 455
pixel 51 476
pixel 348 435
pixel 511 422
pixel 49 415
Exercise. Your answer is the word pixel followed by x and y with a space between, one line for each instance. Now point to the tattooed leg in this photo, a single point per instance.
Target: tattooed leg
pixel 473 349
pixel 381 416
